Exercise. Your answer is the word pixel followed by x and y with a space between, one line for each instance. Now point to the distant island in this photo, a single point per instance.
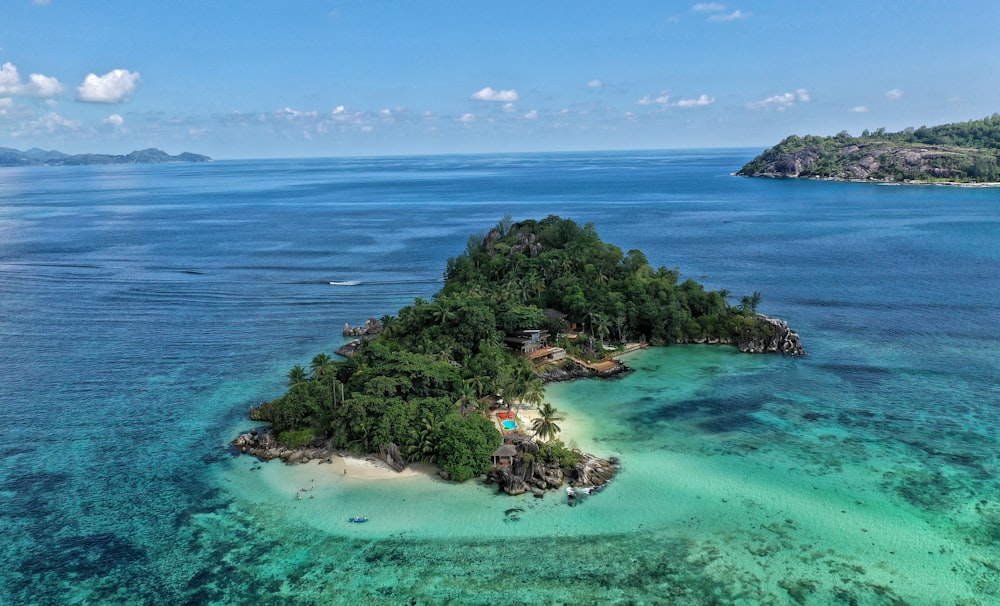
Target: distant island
pixel 959 153
pixel 458 381
pixel 41 157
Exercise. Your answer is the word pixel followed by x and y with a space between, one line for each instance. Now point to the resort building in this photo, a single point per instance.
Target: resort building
pixel 526 342
pixel 504 456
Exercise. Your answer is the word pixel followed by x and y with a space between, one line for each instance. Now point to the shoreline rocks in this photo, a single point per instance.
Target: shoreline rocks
pixel 263 444
pixel 526 474
pixel 571 371
pixel 782 340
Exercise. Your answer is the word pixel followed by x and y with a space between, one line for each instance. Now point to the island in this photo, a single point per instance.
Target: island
pixel 458 380
pixel 40 157
pixel 959 153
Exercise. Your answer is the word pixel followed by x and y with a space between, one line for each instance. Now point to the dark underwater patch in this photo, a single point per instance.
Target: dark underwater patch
pixel 717 415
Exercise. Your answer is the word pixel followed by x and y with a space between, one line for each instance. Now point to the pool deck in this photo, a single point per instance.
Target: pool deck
pixel 505 415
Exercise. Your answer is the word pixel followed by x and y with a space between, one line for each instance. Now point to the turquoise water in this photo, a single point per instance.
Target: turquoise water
pixel 143 309
pixel 508 424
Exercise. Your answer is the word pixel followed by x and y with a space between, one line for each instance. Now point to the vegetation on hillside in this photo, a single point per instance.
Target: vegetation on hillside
pixel 420 383
pixel 959 152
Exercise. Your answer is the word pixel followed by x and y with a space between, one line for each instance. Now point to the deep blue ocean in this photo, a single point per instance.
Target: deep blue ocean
pixel 143 309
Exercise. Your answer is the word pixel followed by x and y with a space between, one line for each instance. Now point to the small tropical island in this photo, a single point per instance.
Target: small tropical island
pixel 41 157
pixel 961 154
pixel 458 381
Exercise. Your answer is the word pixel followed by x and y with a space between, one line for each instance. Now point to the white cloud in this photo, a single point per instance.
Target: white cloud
pixel 113 87
pixel 532 115
pixel 48 124
pixel 859 109
pixel 595 84
pixel 338 110
pixel 38 85
pixel 509 108
pixel 708 7
pixel 466 118
pixel 114 120
pixel 10 80
pixel 781 102
pixel 44 86
pixel 488 94
pixel 287 113
pixel 701 101
pixel 894 94
pixel 733 16
pixel 661 99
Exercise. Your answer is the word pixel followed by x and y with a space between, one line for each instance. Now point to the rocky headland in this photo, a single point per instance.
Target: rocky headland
pixel 962 153
pixel 875 162
pixel 526 473
pixel 775 338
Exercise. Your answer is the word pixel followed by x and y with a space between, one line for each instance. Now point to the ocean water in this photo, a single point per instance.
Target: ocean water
pixel 144 308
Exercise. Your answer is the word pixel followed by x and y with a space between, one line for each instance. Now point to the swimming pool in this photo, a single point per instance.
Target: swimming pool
pixel 508 424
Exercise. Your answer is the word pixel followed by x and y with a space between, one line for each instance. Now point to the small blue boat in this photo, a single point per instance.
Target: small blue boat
pixel 357 519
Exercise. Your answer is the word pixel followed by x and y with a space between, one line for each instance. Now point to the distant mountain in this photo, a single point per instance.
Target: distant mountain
pixel 964 152
pixel 40 157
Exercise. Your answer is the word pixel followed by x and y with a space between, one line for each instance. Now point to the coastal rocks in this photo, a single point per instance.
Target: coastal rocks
pixel 372 327
pixel 264 445
pixel 572 370
pixel 874 161
pixel 392 457
pixel 775 337
pixel 593 471
pixel 770 335
pixel 527 474
pixel 350 348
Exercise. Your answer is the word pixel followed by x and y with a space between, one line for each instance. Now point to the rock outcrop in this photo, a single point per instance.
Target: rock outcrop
pixel 869 161
pixel 391 455
pixel 526 473
pixel 372 327
pixel 772 336
pixel 783 340
pixel 571 371
pixel 263 444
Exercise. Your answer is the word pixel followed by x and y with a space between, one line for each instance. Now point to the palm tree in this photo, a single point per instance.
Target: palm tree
pixel 545 426
pixel 601 329
pixel 466 401
pixel 534 392
pixel 320 365
pixel 422 442
pixel 296 375
pixel 750 302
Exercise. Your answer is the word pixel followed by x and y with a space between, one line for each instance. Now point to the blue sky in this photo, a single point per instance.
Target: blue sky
pixel 303 78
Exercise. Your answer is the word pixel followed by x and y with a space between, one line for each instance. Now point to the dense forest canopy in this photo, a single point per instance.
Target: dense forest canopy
pixel 962 152
pixel 420 384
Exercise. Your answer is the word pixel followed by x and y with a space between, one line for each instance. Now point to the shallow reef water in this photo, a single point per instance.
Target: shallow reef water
pixel 143 309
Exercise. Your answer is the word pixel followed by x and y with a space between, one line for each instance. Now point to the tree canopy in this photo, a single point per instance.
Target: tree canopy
pixel 960 152
pixel 418 384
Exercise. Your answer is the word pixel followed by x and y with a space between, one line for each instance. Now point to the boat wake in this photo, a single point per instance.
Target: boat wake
pixel 345 283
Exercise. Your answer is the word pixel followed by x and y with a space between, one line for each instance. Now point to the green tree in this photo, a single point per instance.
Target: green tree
pixel 321 363
pixel 545 426
pixel 296 375
pixel 467 446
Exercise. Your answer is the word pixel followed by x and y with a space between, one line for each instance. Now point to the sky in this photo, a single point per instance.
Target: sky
pixel 322 78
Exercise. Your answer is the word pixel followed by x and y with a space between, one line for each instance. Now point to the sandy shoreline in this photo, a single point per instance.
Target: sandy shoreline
pixel 372 468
